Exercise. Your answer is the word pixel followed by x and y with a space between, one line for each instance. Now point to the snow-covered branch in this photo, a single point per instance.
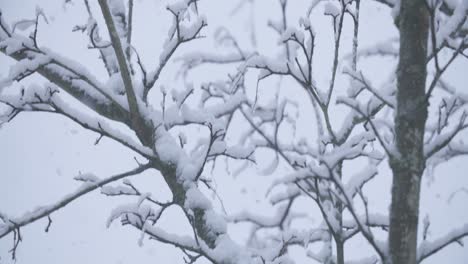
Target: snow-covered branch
pixel 10 224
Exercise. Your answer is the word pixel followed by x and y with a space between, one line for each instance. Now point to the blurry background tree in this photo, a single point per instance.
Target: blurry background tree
pixel 300 101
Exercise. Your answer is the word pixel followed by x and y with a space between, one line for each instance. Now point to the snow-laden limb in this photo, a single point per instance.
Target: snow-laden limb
pixel 184 242
pixel 15 223
pixel 365 113
pixel 196 206
pixel 226 251
pixel 117 190
pixel 357 181
pixel 184 114
pixel 354 147
pixel 138 122
pixel 277 220
pixel 269 66
pixel 384 48
pixel 178 34
pixel 379 247
pixel 66 74
pixel 443 140
pixel 144 211
pixel 453 24
pixel 86 177
pixel 291 191
pixel 225 39
pixel 354 118
pixel 35 98
pixel 309 236
pixel 325 254
pixel 119 16
pixel 195 59
pixel 91 28
pixel 385 97
pixel 100 125
pixel 428 248
pixel 450 151
pixel 371 220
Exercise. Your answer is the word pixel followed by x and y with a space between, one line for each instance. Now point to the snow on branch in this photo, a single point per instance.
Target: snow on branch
pixel 178 34
pixel 43 211
pixel 68 75
pixel 137 122
pixel 428 248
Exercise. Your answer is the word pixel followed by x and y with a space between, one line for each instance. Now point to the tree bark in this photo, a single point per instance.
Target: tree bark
pixel 408 163
pixel 339 252
pixel 137 121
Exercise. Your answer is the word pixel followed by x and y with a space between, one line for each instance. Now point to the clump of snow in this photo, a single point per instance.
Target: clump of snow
pixel 115 84
pixel 86 177
pixel 143 210
pixel 196 200
pixel 458 17
pixel 215 222
pixel 331 9
pixel 166 147
pixel 227 251
pixel 117 190
pixel 292 33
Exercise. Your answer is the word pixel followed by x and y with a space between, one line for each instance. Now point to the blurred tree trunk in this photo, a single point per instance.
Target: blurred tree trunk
pixel 408 163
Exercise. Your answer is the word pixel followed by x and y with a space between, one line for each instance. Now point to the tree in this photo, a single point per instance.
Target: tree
pixel 329 163
pixel 408 162
pixel 411 114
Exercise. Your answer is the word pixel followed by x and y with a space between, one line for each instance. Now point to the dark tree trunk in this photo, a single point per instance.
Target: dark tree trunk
pixel 411 114
pixel 340 252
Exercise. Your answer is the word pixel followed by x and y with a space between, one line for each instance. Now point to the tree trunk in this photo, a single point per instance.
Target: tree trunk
pixel 408 164
pixel 340 259
pixel 339 252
